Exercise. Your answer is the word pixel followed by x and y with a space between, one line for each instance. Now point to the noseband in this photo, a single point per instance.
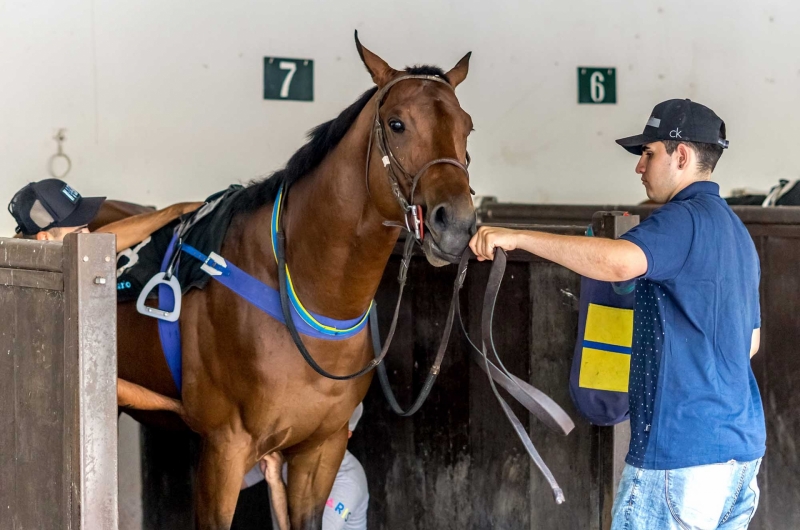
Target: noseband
pixel 533 399
pixel 412 213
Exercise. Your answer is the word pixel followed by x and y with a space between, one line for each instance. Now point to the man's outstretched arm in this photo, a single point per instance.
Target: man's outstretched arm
pixel 601 259
pixel 133 230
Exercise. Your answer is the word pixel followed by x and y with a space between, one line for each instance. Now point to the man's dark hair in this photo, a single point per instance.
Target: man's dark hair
pixel 707 154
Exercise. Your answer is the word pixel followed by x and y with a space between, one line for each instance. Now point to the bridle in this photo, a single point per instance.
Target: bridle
pixel 413 225
pixel 412 213
pixel 534 400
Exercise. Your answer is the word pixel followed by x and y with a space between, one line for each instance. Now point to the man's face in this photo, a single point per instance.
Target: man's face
pixel 659 172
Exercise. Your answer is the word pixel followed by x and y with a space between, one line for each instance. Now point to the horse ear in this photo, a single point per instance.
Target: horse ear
pixel 459 71
pixel 381 72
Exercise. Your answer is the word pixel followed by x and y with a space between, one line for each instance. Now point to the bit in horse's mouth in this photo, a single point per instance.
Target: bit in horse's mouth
pixel 436 256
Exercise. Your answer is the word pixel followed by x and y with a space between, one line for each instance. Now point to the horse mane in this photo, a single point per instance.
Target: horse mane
pixel 322 139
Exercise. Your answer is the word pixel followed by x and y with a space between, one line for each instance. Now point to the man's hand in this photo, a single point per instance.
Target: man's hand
pixel 489 238
pixel 271 465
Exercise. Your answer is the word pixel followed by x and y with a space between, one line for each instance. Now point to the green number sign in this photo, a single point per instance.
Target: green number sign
pixel 597 85
pixel 291 79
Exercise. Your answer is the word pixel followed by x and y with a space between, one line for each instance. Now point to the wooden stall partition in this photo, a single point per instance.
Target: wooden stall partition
pixel 58 411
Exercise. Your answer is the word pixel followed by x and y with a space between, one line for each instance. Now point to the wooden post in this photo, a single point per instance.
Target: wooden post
pixel 58 370
pixel 90 379
pixel 613 441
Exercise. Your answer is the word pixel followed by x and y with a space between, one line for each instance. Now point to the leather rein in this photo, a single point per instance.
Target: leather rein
pixel 412 215
pixel 538 403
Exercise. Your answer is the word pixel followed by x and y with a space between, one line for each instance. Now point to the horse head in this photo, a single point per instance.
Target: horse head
pixel 419 148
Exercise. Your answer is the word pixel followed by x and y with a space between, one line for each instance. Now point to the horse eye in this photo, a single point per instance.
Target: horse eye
pixel 397 125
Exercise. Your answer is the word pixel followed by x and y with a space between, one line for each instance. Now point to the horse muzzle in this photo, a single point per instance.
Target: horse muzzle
pixel 448 231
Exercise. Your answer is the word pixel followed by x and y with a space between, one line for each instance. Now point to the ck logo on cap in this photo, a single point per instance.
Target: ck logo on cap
pixel 71 194
pixel 675 134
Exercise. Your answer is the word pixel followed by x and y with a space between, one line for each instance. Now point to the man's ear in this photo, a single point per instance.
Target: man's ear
pixel 459 72
pixel 380 71
pixel 44 236
pixel 685 154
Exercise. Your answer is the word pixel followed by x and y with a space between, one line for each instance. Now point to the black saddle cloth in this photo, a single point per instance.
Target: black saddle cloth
pixel 136 265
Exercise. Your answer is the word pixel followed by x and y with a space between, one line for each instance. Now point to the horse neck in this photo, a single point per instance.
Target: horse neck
pixel 336 244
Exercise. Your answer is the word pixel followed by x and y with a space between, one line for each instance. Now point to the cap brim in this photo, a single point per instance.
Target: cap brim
pixel 633 144
pixel 83 214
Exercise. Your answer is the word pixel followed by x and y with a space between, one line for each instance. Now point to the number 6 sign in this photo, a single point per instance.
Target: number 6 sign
pixel 597 85
pixel 289 79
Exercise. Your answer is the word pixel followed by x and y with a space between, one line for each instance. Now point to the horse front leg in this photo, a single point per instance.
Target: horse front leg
pixel 224 460
pixel 310 479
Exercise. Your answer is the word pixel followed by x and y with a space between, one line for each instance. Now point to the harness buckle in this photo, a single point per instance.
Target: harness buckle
pixel 214 259
pixel 416 225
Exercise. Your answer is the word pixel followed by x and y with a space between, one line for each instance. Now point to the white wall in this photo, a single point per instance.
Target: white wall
pixel 162 100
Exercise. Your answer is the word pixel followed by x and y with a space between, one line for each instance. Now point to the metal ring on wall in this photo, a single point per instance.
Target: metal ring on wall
pixel 51 169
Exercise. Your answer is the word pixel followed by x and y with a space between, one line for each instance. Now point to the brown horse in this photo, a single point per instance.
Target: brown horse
pixel 246 389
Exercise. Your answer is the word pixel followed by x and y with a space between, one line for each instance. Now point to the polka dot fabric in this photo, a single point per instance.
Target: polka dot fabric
pixel 648 343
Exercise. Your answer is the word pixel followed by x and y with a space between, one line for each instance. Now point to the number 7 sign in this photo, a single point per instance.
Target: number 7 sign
pixel 288 79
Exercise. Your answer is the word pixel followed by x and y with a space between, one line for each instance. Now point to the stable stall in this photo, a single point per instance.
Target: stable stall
pixel 457 463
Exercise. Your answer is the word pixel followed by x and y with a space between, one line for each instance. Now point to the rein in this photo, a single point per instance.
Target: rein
pixel 412 215
pixel 531 398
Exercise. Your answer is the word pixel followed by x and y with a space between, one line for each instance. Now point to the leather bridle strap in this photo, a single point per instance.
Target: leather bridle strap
pixel 551 409
pixel 390 161
pixel 533 399
pixel 383 376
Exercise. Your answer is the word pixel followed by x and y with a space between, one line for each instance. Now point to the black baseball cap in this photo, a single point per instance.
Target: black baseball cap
pixel 51 203
pixel 681 120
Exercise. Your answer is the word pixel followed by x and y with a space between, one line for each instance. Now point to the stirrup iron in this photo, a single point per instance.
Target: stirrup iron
pixel 155 281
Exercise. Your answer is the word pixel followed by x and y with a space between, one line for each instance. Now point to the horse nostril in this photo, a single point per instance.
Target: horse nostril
pixel 440 217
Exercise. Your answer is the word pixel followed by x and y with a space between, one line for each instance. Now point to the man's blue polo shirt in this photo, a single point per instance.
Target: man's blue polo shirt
pixel 693 396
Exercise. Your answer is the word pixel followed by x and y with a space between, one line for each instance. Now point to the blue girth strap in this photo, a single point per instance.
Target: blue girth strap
pixel 251 289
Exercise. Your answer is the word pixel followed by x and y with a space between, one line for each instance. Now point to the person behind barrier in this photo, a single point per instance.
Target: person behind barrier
pixel 50 209
pixel 697 421
pixel 347 504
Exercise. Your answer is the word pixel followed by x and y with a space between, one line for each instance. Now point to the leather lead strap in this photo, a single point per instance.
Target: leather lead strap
pixel 489 299
pixel 538 403
pixel 383 377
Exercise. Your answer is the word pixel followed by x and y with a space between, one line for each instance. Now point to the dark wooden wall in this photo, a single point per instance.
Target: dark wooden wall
pixel 458 465
pixel 58 436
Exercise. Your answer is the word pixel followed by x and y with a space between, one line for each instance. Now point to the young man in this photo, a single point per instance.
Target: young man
pixel 697 423
pixel 347 504
pixel 50 209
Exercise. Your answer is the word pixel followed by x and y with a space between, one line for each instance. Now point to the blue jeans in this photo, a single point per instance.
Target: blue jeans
pixel 712 497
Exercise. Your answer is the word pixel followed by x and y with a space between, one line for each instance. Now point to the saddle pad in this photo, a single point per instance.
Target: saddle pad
pixel 136 265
